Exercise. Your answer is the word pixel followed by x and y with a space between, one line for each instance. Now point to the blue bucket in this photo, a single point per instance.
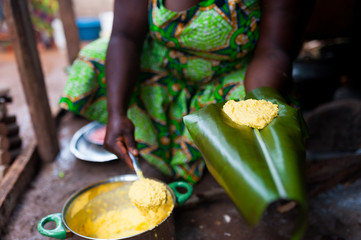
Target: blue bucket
pixel 89 28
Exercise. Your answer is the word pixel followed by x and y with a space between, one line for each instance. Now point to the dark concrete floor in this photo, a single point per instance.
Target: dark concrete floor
pixel 335 214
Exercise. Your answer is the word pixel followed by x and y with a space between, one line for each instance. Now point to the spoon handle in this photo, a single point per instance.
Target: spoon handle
pixel 137 169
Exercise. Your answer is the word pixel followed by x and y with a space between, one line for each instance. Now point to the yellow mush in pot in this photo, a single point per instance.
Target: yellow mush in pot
pixel 250 112
pixel 112 215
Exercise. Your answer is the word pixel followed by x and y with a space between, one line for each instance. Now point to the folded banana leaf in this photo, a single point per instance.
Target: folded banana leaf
pixel 255 167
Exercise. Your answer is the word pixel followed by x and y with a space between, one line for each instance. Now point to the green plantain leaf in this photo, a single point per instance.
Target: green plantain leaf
pixel 255 167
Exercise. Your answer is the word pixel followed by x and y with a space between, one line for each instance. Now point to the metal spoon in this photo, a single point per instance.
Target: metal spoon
pixel 137 169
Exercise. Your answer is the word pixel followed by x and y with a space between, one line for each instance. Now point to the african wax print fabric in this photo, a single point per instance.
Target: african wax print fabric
pixel 190 59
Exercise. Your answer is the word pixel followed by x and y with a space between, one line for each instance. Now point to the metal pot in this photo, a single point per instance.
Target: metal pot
pixel 76 209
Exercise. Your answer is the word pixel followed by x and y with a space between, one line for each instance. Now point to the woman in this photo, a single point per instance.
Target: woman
pixel 43 13
pixel 167 58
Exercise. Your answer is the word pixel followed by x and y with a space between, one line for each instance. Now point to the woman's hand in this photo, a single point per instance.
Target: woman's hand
pixel 119 138
pixel 130 26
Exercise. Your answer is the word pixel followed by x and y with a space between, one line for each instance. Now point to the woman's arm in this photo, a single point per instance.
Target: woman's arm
pixel 122 64
pixel 281 29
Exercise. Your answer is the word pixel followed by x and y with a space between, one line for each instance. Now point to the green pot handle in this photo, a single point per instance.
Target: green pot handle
pixel 58 232
pixel 181 197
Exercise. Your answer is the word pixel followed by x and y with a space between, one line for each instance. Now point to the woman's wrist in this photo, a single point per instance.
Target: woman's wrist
pixel 269 70
pixel 116 113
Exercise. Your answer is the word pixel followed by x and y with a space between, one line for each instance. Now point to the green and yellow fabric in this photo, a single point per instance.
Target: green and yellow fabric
pixel 190 59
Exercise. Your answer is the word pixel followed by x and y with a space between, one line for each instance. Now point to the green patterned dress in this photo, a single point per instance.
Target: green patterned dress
pixel 190 59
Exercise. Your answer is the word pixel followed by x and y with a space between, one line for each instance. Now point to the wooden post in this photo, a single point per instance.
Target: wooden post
pixel 22 35
pixel 67 17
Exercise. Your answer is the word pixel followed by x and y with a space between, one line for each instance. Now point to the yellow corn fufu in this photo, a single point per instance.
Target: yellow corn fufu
pixel 250 112
pixel 148 194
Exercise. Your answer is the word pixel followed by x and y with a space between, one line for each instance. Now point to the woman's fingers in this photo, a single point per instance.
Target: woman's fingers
pixel 131 144
pixel 117 146
pixel 120 139
pixel 122 151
